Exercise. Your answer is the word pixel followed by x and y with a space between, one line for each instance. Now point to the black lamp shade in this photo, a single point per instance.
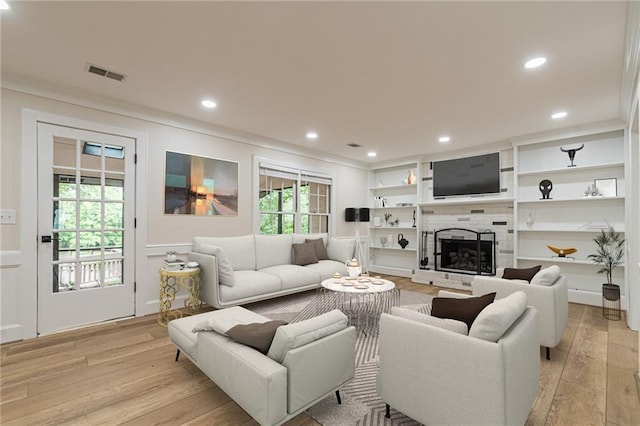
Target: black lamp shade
pixel 352 214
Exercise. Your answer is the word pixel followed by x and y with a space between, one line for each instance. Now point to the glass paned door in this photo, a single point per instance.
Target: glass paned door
pixel 85 223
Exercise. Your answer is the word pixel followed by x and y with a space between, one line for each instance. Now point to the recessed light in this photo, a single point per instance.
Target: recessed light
pixel 535 62
pixel 371 154
pixel 444 139
pixel 208 103
pixel 559 115
pixel 312 135
pixel 4 5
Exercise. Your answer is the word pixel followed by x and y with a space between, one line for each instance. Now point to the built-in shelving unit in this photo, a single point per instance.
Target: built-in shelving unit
pixel 573 215
pixel 391 194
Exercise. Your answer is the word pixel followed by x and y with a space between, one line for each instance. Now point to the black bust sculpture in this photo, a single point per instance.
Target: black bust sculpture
pixel 545 187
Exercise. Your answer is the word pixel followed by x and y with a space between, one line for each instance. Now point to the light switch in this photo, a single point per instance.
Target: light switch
pixel 7 216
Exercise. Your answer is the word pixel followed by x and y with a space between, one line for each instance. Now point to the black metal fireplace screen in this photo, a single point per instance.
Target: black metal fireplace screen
pixel 465 251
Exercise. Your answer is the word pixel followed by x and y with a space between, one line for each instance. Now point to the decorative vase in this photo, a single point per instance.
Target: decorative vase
pixel 402 241
pixel 376 221
pixel 411 178
pixel 172 257
pixel 530 219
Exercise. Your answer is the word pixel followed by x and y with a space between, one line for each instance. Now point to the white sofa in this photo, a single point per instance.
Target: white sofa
pixel 439 376
pixel 550 298
pixel 307 361
pixel 249 268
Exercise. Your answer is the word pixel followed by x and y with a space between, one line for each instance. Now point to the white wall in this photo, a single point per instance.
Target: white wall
pixel 162 232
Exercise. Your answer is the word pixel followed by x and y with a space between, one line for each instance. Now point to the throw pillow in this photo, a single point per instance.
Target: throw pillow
pixel 465 310
pixel 321 250
pixel 304 254
pixel 256 335
pixel 497 317
pixel 341 249
pixel 444 323
pixel 520 273
pixel 298 334
pixel 219 325
pixel 225 270
pixel 546 276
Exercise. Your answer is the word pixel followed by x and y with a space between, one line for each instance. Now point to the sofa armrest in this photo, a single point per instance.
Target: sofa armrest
pixel 254 381
pixel 209 284
pixel 320 367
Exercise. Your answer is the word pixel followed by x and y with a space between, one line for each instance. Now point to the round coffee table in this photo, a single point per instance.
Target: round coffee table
pixel 362 300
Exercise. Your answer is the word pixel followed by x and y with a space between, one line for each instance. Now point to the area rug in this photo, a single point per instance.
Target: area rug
pixel 361 405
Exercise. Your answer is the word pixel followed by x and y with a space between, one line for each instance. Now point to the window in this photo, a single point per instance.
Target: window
pixel 292 200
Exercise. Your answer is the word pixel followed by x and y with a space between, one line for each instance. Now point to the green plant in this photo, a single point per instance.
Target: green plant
pixel 610 251
pixel 387 216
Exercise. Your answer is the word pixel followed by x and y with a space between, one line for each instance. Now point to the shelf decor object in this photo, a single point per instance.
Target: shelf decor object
pixel 572 153
pixel 545 186
pixel 562 252
pixel 609 255
pixel 606 187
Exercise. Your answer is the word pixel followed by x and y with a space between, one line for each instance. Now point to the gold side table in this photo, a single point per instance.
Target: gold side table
pixel 170 283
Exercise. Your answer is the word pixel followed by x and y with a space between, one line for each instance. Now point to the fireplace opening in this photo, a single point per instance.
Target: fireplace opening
pixel 465 251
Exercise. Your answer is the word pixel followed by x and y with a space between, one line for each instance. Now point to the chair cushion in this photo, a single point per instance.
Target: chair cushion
pixel 222 320
pixel 225 269
pixel 465 310
pixel 445 323
pixel 273 250
pixel 546 276
pixel 321 250
pixel 298 334
pixel 304 254
pixel 520 273
pixel 497 317
pixel 257 335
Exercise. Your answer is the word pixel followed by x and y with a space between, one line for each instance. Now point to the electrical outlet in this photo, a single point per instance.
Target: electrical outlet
pixel 7 217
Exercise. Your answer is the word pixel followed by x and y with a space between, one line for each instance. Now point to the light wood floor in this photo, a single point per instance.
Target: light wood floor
pixel 124 373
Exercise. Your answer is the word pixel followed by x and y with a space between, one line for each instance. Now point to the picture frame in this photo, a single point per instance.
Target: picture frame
pixel 200 186
pixel 607 187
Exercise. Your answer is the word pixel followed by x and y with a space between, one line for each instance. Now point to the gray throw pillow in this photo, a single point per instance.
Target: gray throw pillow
pixel 304 254
pixel 321 250
pixel 256 335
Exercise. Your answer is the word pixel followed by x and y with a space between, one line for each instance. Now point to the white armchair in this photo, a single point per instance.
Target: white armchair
pixel 551 302
pixel 438 376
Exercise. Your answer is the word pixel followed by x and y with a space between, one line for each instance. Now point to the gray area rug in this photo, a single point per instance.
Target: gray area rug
pixel 361 405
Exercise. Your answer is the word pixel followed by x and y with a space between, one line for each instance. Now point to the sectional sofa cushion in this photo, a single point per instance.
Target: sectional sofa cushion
pixel 341 249
pixel 321 250
pixel 257 335
pixel 272 250
pixel 240 250
pixel 465 310
pixel 304 254
pixel 520 273
pixel 249 284
pixel 326 268
pixel 292 276
pixel 445 323
pixel 294 335
pixel 225 270
pixel 546 276
pixel 496 318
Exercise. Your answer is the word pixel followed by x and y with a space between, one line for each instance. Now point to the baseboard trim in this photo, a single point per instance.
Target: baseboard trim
pixel 10 333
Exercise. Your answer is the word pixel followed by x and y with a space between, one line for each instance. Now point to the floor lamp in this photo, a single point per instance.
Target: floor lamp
pixel 356 215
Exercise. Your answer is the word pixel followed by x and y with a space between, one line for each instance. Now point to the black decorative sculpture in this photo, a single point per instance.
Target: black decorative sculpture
pixel 414 218
pixel 545 187
pixel 572 153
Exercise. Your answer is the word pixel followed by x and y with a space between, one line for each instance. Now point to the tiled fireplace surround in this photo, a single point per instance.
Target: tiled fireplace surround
pixel 495 218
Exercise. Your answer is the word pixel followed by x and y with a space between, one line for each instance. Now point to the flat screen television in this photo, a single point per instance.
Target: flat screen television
pixel 467 176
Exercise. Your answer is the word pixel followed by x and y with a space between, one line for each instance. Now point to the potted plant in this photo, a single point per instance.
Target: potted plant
pixel 610 251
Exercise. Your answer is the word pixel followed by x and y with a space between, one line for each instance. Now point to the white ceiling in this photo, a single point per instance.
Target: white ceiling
pixel 390 76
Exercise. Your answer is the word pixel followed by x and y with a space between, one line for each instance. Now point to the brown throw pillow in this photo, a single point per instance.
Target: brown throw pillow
pixel 304 254
pixel 256 335
pixel 465 310
pixel 520 273
pixel 321 250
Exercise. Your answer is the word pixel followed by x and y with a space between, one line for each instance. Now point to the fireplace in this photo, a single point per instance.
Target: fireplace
pixel 465 251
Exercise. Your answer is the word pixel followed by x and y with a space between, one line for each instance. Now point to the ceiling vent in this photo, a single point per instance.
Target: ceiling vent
pixel 354 145
pixel 105 72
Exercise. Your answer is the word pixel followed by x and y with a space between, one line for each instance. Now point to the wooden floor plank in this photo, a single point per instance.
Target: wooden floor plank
pixel 574 404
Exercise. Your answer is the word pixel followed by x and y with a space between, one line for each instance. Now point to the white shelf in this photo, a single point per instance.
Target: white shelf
pixel 570 200
pixel 405 228
pixel 587 231
pixel 392 207
pixel 467 201
pixel 561 260
pixel 410 187
pixel 408 249
pixel 572 169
